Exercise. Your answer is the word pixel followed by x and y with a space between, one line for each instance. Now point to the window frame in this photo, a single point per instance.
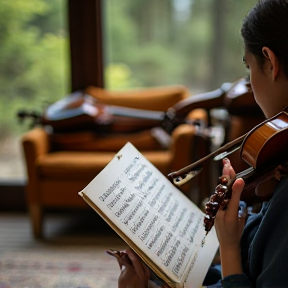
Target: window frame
pixel 86 43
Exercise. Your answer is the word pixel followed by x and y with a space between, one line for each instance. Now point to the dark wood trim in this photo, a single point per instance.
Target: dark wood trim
pixel 86 51
pixel 217 56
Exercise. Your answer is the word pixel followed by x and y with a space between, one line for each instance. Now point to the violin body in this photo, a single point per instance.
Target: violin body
pixel 264 148
pixel 267 142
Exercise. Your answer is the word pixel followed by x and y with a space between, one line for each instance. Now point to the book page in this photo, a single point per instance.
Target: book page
pixel 154 214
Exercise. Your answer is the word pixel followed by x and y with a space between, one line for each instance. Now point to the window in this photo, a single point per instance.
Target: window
pixel 191 42
pixel 34 70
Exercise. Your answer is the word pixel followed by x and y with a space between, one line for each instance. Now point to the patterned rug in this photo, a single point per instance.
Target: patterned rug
pixel 58 268
pixel 62 260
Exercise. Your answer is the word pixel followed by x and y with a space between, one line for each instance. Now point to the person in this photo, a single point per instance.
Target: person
pixel 253 249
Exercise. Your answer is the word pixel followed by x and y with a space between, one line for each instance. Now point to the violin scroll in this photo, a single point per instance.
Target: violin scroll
pixel 27 114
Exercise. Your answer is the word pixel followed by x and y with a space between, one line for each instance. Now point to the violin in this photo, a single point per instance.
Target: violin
pixel 81 111
pixel 263 148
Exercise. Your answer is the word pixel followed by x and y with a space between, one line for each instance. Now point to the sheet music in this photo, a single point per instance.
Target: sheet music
pixel 150 210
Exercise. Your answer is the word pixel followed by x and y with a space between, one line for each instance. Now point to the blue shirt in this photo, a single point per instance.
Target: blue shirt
pixel 264 246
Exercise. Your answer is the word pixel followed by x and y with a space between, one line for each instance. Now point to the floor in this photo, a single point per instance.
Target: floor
pixel 78 227
pixel 73 237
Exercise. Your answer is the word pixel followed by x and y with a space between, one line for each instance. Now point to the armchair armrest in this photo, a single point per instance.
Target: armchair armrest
pixel 35 143
pixel 184 138
pixel 182 142
pixel 187 148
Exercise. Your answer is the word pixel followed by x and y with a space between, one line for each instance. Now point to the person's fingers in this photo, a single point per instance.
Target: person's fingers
pixel 141 269
pixel 237 189
pixel 227 168
pixel 125 261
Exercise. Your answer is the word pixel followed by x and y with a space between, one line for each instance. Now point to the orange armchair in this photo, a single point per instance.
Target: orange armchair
pixel 57 171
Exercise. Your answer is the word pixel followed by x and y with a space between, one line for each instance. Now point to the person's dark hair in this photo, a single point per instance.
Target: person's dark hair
pixel 267 25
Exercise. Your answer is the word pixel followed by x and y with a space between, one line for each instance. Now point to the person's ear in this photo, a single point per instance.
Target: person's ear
pixel 270 55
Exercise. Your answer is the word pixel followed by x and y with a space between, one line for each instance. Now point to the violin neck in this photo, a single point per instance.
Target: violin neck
pixel 208 100
pixel 136 113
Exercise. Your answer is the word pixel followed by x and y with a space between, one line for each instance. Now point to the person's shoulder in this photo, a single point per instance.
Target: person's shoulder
pixel 279 199
pixel 282 186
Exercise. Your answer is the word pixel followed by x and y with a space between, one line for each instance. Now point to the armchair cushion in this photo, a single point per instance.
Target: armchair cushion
pixel 89 141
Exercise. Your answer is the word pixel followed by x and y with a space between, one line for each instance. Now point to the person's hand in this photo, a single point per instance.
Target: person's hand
pixel 229 226
pixel 135 274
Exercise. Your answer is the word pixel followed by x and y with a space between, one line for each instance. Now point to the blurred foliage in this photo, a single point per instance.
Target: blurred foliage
pixel 33 58
pixel 170 42
pixel 120 77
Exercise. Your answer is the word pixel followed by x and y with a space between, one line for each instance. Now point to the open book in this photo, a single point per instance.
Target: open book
pixel 153 217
